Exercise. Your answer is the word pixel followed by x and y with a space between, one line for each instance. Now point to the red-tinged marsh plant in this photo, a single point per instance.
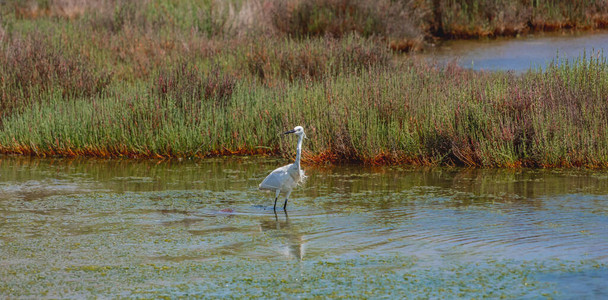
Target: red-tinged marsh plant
pixel 31 65
pixel 326 17
pixel 189 86
pixel 314 59
pixel 396 23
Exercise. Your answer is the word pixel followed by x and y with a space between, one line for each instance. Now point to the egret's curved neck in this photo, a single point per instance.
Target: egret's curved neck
pixel 299 151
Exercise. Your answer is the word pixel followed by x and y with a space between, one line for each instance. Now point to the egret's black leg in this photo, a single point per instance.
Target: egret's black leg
pixel 286 198
pixel 276 197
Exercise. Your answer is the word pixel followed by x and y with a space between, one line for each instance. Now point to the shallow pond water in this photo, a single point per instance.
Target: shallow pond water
pixel 523 53
pixel 120 228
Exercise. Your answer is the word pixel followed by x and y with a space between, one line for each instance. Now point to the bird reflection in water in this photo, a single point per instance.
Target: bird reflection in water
pixel 290 241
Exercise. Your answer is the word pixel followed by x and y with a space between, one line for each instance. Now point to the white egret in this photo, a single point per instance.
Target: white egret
pixel 285 178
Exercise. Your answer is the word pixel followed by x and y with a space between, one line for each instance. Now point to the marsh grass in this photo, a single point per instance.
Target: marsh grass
pixel 32 66
pixel 400 25
pixel 146 79
pixel 404 25
pixel 189 87
pixel 423 115
pixel 474 18
pixel 313 59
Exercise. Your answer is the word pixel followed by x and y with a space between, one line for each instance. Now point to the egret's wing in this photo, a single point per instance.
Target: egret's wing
pixel 275 180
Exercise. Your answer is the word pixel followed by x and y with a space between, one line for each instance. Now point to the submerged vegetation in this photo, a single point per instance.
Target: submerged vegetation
pixel 198 78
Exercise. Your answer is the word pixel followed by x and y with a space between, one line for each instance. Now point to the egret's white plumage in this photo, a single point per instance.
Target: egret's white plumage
pixel 286 178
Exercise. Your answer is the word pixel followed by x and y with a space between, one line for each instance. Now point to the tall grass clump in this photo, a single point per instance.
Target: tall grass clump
pixel 313 59
pixel 189 87
pixel 32 65
pixel 326 17
pixel 395 23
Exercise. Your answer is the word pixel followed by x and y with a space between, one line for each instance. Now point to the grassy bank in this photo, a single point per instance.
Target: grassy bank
pixel 475 18
pixel 189 79
pixel 403 25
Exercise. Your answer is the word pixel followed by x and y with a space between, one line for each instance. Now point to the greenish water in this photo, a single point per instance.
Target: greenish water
pixel 96 228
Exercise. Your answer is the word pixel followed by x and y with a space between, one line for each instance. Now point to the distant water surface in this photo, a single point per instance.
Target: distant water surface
pixel 522 53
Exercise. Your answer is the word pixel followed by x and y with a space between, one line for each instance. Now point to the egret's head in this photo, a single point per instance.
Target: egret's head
pixel 298 130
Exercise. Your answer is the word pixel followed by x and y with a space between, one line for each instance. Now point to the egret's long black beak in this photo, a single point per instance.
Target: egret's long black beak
pixel 288 132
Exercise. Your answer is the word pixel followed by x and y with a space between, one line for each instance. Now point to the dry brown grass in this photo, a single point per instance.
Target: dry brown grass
pixel 68 9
